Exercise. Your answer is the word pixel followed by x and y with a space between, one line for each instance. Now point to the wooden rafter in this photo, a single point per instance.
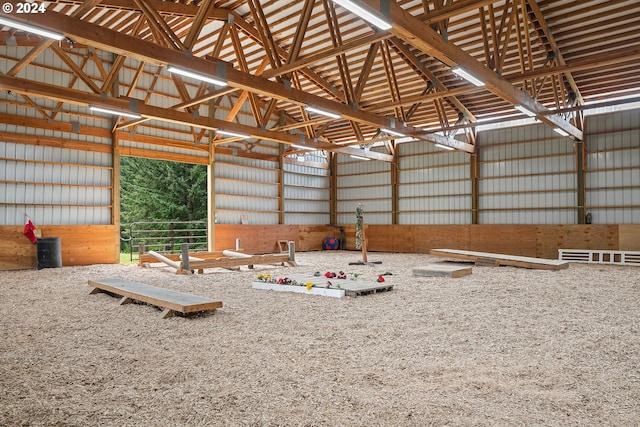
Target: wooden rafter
pixel 518 44
pixel 197 24
pixel 424 38
pixel 394 90
pixel 157 23
pixel 343 65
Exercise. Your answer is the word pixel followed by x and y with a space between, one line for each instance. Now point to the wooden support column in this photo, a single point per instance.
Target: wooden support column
pixel 281 148
pixel 473 165
pixel 333 190
pixel 281 184
pixel 394 189
pixel 211 185
pixel 580 180
pixel 115 195
pixel 115 183
pixel 211 200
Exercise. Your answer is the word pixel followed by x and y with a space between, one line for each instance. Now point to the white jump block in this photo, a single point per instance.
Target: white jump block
pixel 600 256
pixel 327 292
pixel 338 289
pixel 441 270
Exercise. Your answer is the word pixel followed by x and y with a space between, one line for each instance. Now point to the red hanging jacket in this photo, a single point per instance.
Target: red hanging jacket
pixel 28 231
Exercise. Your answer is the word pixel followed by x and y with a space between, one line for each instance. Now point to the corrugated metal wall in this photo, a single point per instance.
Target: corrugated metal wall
pixel 366 182
pixel 246 187
pixel 613 168
pixel 434 185
pixel 527 175
pixel 54 186
pixel 307 192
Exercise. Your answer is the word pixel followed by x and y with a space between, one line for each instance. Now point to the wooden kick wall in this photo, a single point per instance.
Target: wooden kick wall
pixel 80 245
pixel 93 244
pixel 541 241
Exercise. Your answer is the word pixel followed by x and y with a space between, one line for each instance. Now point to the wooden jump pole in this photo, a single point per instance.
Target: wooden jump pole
pixel 235 254
pixel 164 259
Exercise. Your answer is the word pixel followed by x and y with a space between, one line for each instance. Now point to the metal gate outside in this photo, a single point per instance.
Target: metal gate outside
pixel 167 237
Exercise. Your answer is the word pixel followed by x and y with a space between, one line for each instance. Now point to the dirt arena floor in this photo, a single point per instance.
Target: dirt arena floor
pixel 503 346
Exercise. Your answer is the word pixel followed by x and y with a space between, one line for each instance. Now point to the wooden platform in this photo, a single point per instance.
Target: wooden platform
pixel 351 288
pixel 492 259
pixel 441 270
pixel 173 302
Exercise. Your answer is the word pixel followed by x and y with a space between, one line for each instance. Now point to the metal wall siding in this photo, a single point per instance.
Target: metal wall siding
pixel 613 167
pixel 434 185
pixel 434 217
pixel 369 218
pixel 226 216
pixel 244 202
pixel 526 175
pixel 365 180
pixel 55 186
pixel 364 193
pixel 294 179
pixel 424 189
pixel 310 219
pixel 245 173
pixel 429 174
pixel 306 206
pixel 308 193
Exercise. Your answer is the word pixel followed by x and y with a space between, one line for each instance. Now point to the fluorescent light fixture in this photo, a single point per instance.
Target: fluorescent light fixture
pixel 30 28
pixel 231 133
pixel 467 76
pixel 359 157
pixel 393 132
pixel 196 76
pixel 302 147
pixel 115 112
pixel 561 132
pixel 445 147
pixel 322 112
pixel 525 110
pixel 364 14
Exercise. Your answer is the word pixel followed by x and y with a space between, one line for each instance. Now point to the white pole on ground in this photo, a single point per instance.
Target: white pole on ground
pixel 234 254
pixel 164 259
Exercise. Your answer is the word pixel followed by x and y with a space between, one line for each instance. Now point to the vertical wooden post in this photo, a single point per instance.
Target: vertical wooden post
pixel 115 194
pixel 211 186
pixel 292 251
pixel 140 252
pixel 281 148
pixel 186 267
pixel 580 180
pixel 333 189
pixel 394 189
pixel 473 165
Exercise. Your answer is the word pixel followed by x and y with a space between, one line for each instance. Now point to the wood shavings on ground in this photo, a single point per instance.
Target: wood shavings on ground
pixel 502 346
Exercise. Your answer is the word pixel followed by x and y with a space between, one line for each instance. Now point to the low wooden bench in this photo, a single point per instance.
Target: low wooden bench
pixel 173 302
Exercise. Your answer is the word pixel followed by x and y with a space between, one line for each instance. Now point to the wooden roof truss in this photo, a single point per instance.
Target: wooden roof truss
pixel 280 57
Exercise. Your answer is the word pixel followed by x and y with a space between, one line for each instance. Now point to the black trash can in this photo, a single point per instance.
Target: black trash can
pixel 49 252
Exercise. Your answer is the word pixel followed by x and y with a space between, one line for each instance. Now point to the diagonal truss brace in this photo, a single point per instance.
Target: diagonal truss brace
pixel 413 31
pixel 112 41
